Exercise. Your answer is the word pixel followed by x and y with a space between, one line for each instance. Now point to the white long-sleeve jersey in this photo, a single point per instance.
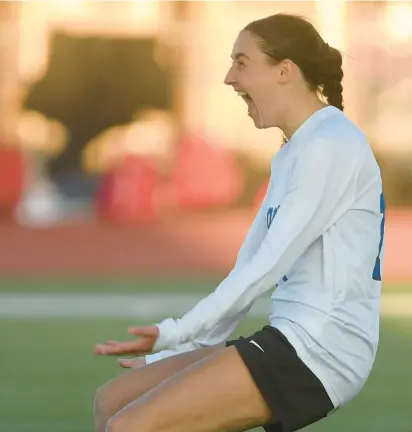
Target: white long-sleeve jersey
pixel 317 242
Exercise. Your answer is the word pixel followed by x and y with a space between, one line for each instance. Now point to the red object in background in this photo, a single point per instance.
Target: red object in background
pixel 127 192
pixel 12 174
pixel 260 195
pixel 205 176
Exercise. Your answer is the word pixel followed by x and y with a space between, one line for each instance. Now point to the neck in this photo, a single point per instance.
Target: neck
pixel 298 114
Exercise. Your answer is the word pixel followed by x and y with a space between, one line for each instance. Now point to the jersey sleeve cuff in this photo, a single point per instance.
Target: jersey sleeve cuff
pixel 168 335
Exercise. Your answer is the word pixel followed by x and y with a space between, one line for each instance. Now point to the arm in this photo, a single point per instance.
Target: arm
pixel 321 190
pixel 224 328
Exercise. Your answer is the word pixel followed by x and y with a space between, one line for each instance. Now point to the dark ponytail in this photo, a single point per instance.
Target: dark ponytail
pixel 285 36
pixel 332 77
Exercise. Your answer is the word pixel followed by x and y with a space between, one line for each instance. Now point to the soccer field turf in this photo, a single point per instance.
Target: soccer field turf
pixel 49 375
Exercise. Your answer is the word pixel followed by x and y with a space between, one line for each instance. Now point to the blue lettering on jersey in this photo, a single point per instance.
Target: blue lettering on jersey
pixel 270 215
pixel 377 270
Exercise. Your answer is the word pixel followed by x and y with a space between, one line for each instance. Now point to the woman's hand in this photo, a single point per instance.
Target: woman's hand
pixel 133 363
pixel 142 345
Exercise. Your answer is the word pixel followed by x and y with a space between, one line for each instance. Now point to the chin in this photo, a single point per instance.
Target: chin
pixel 259 124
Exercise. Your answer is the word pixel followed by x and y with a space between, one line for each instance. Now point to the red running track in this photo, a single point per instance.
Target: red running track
pixel 191 245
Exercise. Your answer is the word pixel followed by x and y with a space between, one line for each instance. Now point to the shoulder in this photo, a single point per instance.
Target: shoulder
pixel 341 132
pixel 337 138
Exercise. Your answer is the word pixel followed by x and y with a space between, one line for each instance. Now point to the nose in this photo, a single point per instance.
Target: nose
pixel 230 77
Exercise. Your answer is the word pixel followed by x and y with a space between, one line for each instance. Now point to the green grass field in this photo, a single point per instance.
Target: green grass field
pixel 48 373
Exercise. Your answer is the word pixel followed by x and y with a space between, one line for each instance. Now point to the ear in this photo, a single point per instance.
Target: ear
pixel 285 71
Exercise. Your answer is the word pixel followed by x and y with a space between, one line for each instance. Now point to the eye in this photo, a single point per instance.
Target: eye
pixel 239 64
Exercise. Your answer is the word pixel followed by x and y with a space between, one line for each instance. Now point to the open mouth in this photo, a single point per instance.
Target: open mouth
pixel 247 99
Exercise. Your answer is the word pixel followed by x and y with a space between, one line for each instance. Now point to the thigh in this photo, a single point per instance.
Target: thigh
pixel 214 394
pixel 122 390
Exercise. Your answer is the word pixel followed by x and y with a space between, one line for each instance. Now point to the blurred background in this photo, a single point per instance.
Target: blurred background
pixel 129 175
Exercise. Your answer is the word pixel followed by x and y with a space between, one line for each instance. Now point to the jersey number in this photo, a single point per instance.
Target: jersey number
pixel 377 270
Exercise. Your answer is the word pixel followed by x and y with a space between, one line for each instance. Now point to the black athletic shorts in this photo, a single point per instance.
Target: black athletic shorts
pixel 293 393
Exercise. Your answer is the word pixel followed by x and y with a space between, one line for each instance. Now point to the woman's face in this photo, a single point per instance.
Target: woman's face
pixel 258 81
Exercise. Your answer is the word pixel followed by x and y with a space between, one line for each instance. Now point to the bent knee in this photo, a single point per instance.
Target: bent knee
pixel 116 424
pixel 126 423
pixel 110 399
pixel 104 405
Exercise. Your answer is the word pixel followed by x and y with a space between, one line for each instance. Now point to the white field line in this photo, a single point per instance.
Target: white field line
pixel 144 306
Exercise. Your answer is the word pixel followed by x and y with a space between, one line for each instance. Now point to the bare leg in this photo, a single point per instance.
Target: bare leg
pixel 122 390
pixel 212 395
